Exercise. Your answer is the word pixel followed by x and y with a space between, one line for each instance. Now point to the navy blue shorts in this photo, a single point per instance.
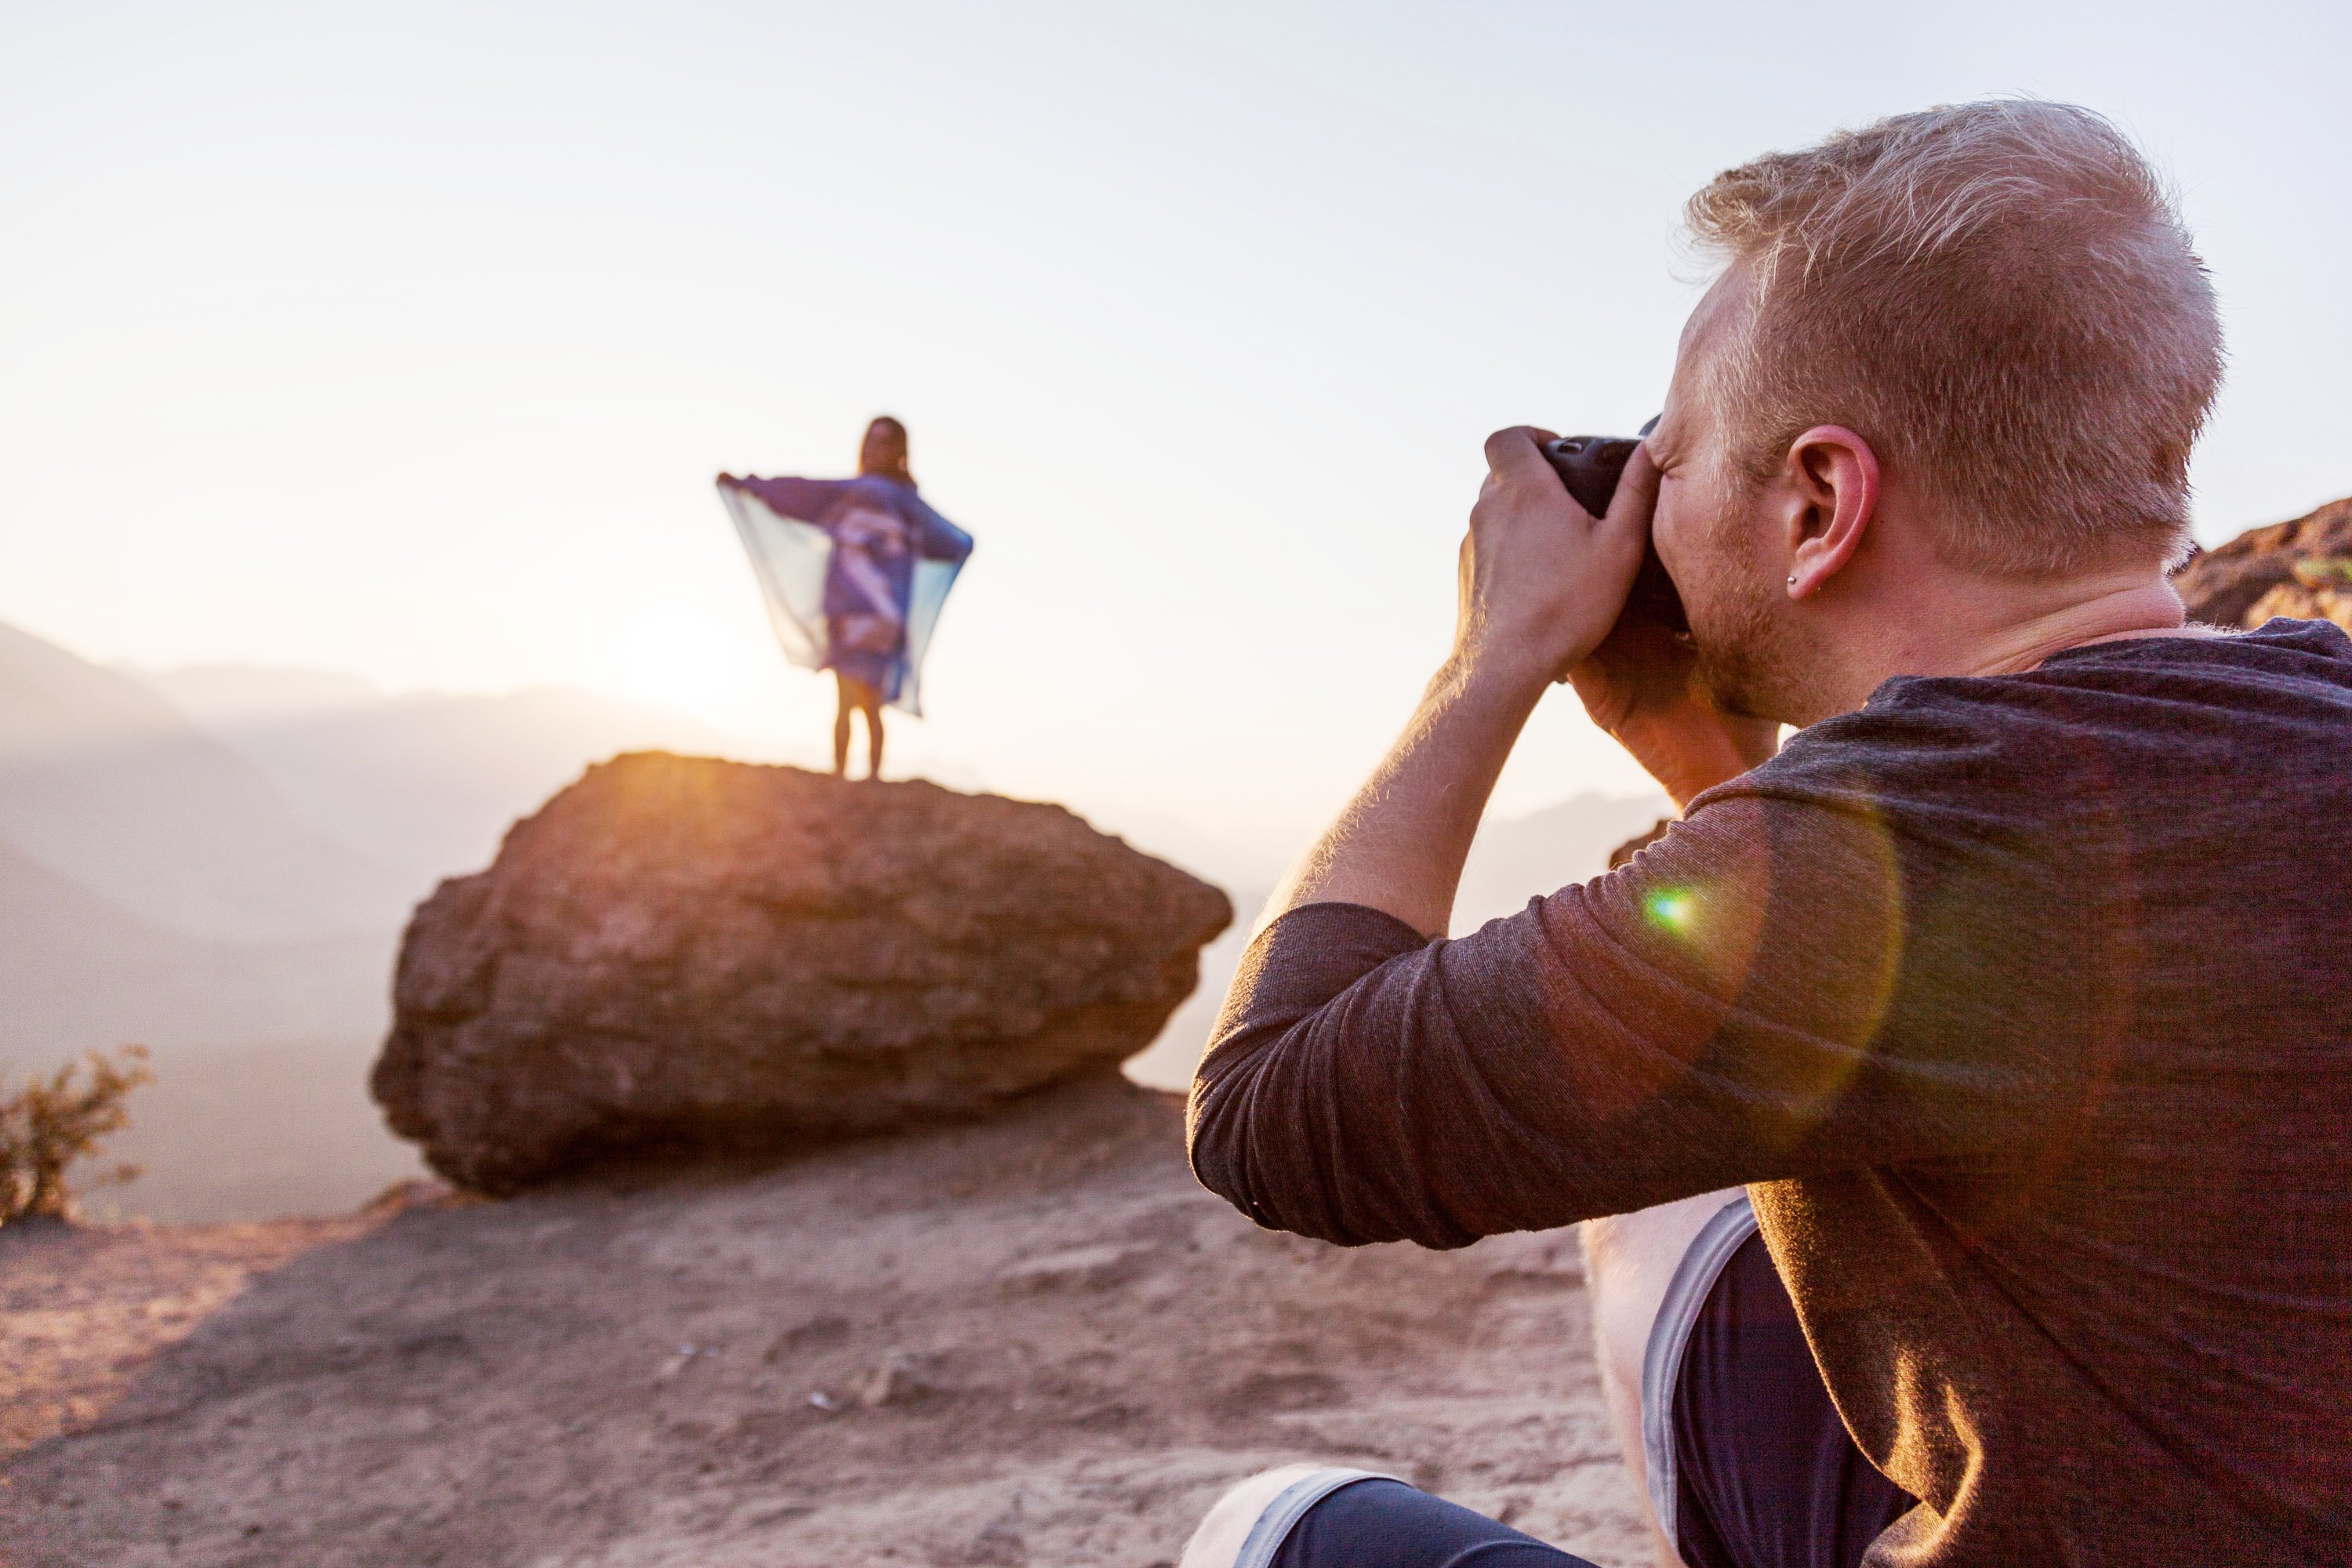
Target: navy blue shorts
pixel 1765 1475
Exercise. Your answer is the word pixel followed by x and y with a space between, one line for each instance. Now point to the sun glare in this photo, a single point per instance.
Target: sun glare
pixel 1671 909
pixel 679 660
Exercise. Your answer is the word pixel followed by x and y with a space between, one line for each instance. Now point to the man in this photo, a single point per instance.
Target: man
pixel 2016 990
pixel 854 572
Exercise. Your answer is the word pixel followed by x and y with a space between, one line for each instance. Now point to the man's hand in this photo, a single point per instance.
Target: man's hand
pixel 1543 593
pixel 1641 686
pixel 1542 580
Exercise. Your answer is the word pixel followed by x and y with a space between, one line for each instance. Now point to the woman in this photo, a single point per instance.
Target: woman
pixel 854 573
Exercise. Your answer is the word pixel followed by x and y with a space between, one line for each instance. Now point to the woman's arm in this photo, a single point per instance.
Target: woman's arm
pixel 804 501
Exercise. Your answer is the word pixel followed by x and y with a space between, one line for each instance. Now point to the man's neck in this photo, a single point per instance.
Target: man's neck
pixel 1974 629
pixel 2138 609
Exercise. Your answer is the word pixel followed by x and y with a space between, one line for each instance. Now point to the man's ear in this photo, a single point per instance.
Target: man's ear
pixel 1832 477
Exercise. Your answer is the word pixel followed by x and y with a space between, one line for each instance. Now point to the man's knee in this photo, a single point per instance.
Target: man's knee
pixel 1218 1542
pixel 1305 1514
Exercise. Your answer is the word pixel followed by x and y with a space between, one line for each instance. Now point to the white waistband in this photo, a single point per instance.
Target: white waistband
pixel 1670 1331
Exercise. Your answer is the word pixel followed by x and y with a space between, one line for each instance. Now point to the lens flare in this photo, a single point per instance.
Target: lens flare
pixel 1671 909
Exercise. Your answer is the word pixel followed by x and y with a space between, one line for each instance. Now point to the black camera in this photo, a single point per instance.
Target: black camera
pixel 1591 466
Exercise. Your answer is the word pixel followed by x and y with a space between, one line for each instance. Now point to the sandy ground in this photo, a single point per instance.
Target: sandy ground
pixel 84 1311
pixel 1034 1340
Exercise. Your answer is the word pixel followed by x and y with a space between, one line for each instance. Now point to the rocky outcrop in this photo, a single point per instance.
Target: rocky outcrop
pixel 680 951
pixel 2301 568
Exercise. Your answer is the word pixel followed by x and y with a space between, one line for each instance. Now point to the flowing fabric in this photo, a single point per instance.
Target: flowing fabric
pixel 854 574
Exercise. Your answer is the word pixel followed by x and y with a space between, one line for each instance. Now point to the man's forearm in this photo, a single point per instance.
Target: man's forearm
pixel 1400 844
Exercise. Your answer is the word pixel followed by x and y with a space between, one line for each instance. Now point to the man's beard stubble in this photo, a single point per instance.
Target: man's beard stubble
pixel 1749 661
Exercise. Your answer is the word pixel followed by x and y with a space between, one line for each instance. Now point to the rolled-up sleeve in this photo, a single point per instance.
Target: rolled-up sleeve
pixel 805 500
pixel 1778 987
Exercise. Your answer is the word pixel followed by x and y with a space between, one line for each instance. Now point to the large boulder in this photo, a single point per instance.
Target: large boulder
pixel 681 951
pixel 2301 568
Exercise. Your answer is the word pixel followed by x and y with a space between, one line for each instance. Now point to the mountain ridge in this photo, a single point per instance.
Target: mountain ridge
pixel 104 783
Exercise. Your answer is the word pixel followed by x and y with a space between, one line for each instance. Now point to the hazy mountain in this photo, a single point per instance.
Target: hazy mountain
pixel 261 1103
pixel 427 784
pixel 105 783
pixel 245 879
pixel 215 694
pixel 76 971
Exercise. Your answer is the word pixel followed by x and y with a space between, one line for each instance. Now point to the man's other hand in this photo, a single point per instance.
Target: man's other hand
pixel 1542 580
pixel 1641 686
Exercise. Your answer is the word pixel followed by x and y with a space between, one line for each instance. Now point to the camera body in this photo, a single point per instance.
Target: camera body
pixel 1590 467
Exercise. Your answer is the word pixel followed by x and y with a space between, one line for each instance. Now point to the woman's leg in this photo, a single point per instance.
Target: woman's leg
pixel 866 699
pixel 847 689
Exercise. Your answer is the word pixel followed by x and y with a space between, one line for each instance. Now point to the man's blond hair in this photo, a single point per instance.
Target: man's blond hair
pixel 2002 299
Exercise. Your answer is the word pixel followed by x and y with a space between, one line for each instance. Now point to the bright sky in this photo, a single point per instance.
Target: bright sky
pixel 404 339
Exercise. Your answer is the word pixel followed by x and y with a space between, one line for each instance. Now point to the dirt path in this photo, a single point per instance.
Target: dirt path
pixel 83 1310
pixel 1031 1342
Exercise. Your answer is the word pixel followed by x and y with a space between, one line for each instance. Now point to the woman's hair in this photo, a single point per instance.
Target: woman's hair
pixel 897 467
pixel 2002 299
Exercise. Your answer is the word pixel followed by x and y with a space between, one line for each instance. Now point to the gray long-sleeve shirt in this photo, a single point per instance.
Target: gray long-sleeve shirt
pixel 2023 1004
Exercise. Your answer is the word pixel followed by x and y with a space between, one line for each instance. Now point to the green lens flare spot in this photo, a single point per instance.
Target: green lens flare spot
pixel 1671 909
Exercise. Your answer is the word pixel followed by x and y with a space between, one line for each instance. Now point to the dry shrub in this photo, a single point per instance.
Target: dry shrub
pixel 51 1123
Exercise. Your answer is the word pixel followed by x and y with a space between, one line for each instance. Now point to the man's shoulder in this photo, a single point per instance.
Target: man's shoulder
pixel 2193 701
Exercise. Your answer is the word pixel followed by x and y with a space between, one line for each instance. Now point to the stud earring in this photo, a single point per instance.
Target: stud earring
pixel 1792 579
